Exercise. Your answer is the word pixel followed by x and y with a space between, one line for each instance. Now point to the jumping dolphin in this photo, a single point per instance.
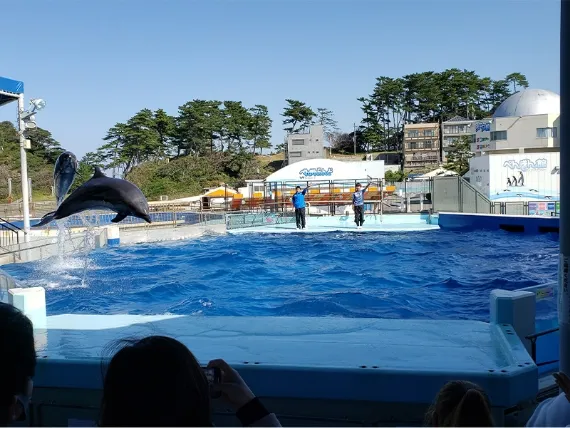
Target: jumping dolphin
pixel 103 193
pixel 64 173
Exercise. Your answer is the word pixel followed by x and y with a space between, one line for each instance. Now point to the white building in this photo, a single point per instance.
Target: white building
pixel 310 145
pixel 517 151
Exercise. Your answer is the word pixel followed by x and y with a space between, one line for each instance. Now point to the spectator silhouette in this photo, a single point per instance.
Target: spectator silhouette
pixel 157 381
pixel 17 364
pixel 460 404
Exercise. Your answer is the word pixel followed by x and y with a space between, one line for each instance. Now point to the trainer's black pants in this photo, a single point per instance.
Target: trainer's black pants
pixel 359 214
pixel 300 217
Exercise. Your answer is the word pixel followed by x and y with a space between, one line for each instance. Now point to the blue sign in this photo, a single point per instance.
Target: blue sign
pixel 482 127
pixel 315 172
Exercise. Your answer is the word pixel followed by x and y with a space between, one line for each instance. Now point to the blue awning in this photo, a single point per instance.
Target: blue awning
pixel 9 90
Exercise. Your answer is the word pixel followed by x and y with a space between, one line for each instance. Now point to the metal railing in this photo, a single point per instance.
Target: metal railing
pixel 544 293
pixel 533 337
pixel 542 208
pixel 242 220
pixel 9 233
pixel 163 218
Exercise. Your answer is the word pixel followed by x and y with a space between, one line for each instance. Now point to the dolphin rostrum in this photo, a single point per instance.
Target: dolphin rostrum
pixel 103 193
pixel 64 173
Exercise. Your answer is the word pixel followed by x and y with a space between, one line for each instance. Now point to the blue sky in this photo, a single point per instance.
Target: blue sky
pixel 97 63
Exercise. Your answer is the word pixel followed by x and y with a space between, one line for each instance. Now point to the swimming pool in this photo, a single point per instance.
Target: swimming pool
pixel 432 274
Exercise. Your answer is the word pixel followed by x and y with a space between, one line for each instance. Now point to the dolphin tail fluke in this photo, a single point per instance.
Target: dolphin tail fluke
pixel 45 219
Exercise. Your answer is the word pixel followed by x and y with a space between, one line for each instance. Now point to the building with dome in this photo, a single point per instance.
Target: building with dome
pixel 517 151
pixel 527 120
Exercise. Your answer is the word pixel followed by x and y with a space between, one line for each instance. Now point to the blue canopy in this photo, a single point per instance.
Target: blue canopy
pixel 9 90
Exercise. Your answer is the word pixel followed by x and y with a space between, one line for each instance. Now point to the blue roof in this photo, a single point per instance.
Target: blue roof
pixel 12 87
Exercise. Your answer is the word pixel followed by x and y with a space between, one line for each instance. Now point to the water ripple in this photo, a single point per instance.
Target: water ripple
pixel 430 275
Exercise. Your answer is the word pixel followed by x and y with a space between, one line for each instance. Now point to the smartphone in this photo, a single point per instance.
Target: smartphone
pixel 214 377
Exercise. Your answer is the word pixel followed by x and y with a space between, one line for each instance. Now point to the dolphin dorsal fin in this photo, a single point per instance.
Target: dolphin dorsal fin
pixel 98 173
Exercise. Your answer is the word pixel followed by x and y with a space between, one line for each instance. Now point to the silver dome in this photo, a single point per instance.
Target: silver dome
pixel 529 102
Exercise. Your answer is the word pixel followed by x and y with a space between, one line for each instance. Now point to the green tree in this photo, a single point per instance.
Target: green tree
pixel 199 127
pixel 164 125
pixel 458 155
pixel 518 80
pixel 325 117
pixel 260 128
pixel 394 176
pixel 85 169
pixel 237 127
pixel 43 144
pixel 297 116
pixel 429 97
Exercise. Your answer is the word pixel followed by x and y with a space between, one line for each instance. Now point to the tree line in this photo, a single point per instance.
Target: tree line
pixel 228 134
pixel 418 97
pixel 41 159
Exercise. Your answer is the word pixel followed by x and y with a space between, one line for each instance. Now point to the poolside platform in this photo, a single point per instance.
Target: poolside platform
pixel 345 224
pixel 311 371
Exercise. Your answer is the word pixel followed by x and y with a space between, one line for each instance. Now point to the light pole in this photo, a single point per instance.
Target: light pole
pixel 26 120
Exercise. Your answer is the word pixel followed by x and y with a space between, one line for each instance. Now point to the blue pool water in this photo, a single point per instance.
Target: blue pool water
pixel 433 274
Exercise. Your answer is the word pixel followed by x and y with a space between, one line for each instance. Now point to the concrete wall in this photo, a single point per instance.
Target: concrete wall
pixel 134 236
pixel 40 249
pixel 526 224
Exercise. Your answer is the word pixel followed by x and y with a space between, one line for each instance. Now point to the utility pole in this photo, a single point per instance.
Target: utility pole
pixel 354 137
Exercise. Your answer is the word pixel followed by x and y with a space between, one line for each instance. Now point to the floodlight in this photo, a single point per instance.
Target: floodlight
pixel 37 103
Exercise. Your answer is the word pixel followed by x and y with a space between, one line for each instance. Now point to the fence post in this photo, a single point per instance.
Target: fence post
pixel 460 195
pixel 476 199
pixel 432 188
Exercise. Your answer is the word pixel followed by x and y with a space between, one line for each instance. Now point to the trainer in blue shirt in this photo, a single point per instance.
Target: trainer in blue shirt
pixel 298 200
pixel 358 204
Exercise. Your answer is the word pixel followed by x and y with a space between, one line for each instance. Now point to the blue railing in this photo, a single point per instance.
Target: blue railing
pixel 174 218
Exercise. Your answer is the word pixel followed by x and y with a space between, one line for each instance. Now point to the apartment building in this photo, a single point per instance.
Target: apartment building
pixel 453 129
pixel 303 146
pixel 421 145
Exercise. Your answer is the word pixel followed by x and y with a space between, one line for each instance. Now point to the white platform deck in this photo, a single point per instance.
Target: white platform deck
pixel 347 227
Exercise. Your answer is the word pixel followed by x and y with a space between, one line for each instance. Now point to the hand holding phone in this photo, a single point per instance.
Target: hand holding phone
pixel 214 376
pixel 232 386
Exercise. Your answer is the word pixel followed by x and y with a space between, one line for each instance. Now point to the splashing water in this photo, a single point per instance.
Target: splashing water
pixel 88 243
pixel 73 252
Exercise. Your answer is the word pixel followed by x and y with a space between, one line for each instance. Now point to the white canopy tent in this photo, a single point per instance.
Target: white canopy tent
pixel 320 170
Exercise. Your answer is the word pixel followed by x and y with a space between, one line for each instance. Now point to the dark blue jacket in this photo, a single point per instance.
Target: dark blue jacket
pixel 299 199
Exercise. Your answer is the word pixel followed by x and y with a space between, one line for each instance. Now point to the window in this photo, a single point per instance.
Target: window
pixel 413 145
pixel 448 141
pixel 428 133
pixel 295 154
pixel 298 142
pixel 413 134
pixel 546 132
pixel 455 129
pixel 498 135
pixel 427 144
